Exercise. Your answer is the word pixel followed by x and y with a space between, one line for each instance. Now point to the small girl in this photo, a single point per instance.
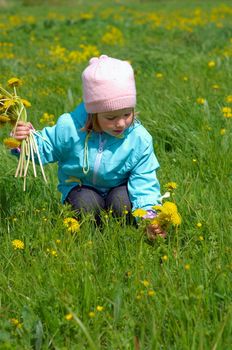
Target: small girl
pixel 105 156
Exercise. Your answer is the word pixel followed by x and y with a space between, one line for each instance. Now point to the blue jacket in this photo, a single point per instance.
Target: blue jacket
pixel 112 161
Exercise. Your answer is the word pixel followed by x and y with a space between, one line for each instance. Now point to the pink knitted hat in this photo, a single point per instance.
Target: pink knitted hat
pixel 108 85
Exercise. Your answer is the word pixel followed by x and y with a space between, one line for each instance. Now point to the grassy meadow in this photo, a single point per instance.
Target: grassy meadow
pixel 111 288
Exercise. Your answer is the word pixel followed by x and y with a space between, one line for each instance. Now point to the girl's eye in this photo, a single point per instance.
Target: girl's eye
pixel 127 114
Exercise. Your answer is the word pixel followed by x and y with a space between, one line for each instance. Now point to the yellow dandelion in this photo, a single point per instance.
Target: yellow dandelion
pixel 17 244
pixel 159 75
pixel 14 82
pixel 145 283
pixel 26 103
pixel 100 308
pixel 16 323
pixel 222 131
pixel 68 317
pixel 53 252
pixel 201 238
pixel 91 314
pixel 185 78
pixel 226 109
pixel 215 86
pixel 211 64
pixel 187 267
pixel 151 293
pixel 72 225
pixel 199 225
pixel 8 103
pixel 10 142
pixel 139 213
pixel 229 99
pixel 58 241
pixel 125 212
pixel 194 160
pixel 200 100
pixel 168 214
pixel 171 186
pixel 4 119
pixel 164 258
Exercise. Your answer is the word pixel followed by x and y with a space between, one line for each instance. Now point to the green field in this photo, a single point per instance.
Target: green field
pixel 110 288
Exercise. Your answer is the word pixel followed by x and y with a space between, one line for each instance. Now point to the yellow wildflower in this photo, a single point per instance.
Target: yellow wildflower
pixel 199 225
pixel 16 322
pixel 168 214
pixel 91 314
pixel 229 99
pixel 222 131
pixel 171 186
pixel 194 160
pixel 151 293
pixel 17 244
pixel 26 103
pixel 72 225
pixel 4 119
pixel 215 86
pixel 113 37
pixel 9 103
pixel 227 112
pixel 68 317
pixel 164 258
pixel 100 308
pixel 10 142
pixel 200 100
pixel 14 82
pixel 185 78
pixel 201 238
pixel 211 64
pixel 139 213
pixel 187 267
pixel 159 75
pixel 145 283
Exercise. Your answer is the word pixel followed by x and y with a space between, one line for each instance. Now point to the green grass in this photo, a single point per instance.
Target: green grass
pixel 111 267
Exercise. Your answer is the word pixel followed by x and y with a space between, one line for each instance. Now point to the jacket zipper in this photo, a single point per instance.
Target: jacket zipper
pixel 98 158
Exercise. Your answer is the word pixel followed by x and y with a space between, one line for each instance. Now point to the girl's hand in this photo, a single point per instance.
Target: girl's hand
pixel 22 130
pixel 154 231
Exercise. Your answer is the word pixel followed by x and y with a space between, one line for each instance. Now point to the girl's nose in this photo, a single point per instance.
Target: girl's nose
pixel 120 123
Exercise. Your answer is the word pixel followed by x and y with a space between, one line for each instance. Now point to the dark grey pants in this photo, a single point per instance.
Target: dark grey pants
pixel 87 199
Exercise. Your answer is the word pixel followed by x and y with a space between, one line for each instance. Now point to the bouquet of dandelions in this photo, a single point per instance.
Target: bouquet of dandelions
pixel 167 213
pixel 13 110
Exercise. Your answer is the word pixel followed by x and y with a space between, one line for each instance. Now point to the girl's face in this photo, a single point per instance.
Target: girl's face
pixel 115 122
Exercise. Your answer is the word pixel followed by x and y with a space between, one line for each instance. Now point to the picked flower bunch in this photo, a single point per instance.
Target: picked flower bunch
pixel 166 215
pixel 13 110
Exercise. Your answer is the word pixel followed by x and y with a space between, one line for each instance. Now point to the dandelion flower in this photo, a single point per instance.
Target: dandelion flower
pixel 168 214
pixel 91 314
pixel 145 283
pixel 200 100
pixel 159 75
pixel 164 258
pixel 139 213
pixel 100 308
pixel 14 82
pixel 17 244
pixel 4 119
pixel 151 293
pixel 10 142
pixel 16 323
pixel 201 238
pixel 211 64
pixel 187 267
pixel 171 186
pixel 229 99
pixel 199 225
pixel 68 317
pixel 26 103
pixel 72 225
pixel 222 131
pixel 215 86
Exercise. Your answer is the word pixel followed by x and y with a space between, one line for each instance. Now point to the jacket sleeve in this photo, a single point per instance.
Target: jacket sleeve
pixel 143 185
